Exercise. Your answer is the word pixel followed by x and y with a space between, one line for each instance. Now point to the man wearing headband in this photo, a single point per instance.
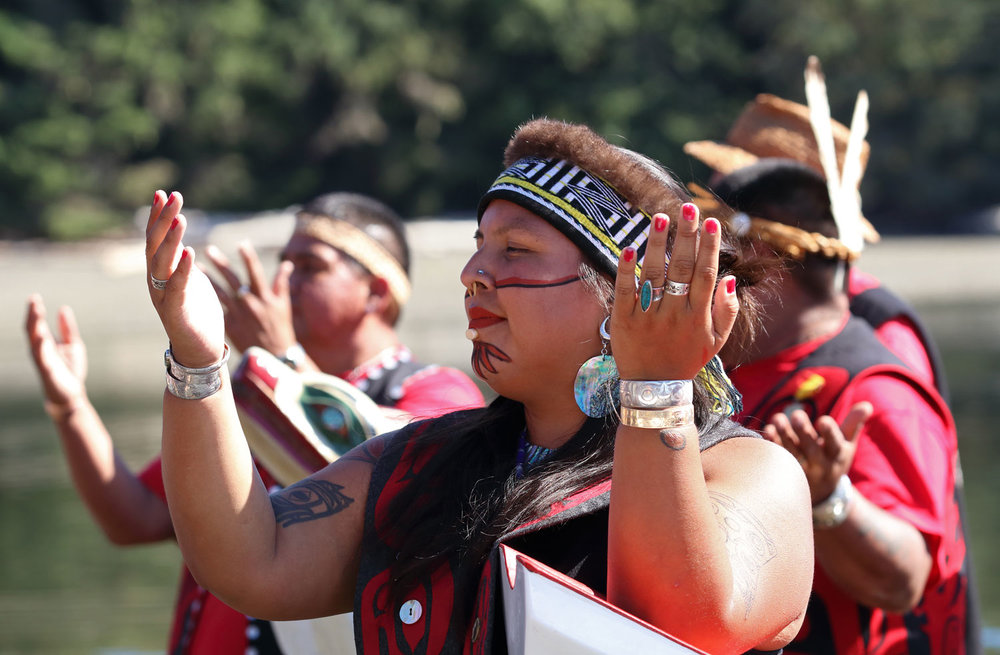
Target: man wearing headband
pixel 332 307
pixel 334 304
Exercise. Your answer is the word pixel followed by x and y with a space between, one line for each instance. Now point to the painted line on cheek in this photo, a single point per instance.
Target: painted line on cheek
pixel 535 284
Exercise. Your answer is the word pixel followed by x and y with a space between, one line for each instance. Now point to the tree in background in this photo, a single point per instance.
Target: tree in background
pixel 251 104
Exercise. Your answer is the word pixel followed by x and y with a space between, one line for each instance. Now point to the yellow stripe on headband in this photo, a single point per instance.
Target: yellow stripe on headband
pixel 572 211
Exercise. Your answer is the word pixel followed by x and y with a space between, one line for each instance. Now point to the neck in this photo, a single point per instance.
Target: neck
pixel 551 426
pixel 790 319
pixel 372 337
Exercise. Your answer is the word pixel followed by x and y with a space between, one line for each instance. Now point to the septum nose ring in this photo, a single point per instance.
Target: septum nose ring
pixel 474 289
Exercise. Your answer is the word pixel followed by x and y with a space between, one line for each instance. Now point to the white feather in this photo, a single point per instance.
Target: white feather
pixel 845 202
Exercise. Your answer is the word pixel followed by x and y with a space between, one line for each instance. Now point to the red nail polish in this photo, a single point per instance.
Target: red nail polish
pixel 689 211
pixel 170 200
pixel 711 226
pixel 731 285
pixel 174 222
pixel 629 255
pixel 660 223
pixel 184 253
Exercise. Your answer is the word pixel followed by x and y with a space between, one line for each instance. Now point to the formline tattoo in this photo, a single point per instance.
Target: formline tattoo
pixel 365 453
pixel 307 501
pixel 749 545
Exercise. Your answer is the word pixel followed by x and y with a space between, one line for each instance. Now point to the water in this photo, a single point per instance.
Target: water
pixel 64 589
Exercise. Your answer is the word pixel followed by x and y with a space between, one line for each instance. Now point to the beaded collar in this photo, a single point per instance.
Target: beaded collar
pixel 528 454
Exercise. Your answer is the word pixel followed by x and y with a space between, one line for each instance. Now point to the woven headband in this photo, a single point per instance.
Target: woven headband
pixel 588 210
pixel 601 222
pixel 353 242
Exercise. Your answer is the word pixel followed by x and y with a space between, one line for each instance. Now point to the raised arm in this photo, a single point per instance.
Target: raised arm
pixel 125 509
pixel 715 548
pixel 291 556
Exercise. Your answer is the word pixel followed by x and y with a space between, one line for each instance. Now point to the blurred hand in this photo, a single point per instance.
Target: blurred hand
pixel 62 365
pixel 824 449
pixel 256 314
pixel 187 306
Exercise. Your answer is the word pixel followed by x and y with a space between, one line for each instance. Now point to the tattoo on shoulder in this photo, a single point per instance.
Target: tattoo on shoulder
pixel 748 542
pixel 673 439
pixel 367 453
pixel 307 501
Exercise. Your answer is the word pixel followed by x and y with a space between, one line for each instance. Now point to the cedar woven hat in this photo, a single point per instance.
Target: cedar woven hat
pixel 771 127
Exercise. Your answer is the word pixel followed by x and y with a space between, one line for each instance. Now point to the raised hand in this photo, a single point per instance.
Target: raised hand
pixel 181 293
pixel 62 364
pixel 256 314
pixel 824 449
pixel 673 327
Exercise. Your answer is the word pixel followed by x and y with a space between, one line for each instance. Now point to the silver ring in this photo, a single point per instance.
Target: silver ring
pixel 157 282
pixel 676 288
pixel 243 290
pixel 657 294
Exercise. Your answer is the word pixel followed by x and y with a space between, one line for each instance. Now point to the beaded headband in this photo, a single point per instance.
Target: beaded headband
pixel 599 221
pixel 365 250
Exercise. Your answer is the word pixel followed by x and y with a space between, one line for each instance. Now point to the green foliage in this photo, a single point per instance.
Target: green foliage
pixel 251 104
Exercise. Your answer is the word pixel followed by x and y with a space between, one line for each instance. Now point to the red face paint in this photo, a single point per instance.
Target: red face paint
pixel 484 356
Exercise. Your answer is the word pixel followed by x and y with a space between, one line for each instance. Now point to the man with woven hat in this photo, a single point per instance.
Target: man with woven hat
pixel 875 439
pixel 770 126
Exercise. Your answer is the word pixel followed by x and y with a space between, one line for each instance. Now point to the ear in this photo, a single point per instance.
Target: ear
pixel 379 299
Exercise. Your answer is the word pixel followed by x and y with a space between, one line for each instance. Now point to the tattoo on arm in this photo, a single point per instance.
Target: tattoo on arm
pixel 749 545
pixel 307 501
pixel 673 439
pixel 365 453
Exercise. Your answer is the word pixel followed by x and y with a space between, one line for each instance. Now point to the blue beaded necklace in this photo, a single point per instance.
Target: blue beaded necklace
pixel 528 454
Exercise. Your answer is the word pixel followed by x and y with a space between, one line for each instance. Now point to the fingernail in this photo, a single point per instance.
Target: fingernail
pixel 711 226
pixel 156 196
pixel 731 285
pixel 184 253
pixel 629 254
pixel 174 222
pixel 689 211
pixel 659 222
pixel 170 200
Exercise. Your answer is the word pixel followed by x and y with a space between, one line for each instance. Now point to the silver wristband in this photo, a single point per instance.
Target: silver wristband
pixel 194 383
pixel 656 394
pixel 669 417
pixel 833 511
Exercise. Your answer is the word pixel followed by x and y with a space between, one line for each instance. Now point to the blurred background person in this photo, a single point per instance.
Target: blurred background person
pixel 320 298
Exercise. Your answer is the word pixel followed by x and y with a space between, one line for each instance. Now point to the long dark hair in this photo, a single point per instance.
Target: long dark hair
pixel 469 496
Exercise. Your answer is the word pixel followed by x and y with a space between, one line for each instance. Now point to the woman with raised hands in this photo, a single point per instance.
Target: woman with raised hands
pixel 608 454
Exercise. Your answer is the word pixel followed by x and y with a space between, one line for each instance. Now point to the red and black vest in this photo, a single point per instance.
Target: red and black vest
pixel 572 538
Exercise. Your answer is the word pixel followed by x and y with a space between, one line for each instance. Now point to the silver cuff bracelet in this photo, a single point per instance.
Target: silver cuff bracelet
pixel 656 394
pixel 671 417
pixel 194 383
